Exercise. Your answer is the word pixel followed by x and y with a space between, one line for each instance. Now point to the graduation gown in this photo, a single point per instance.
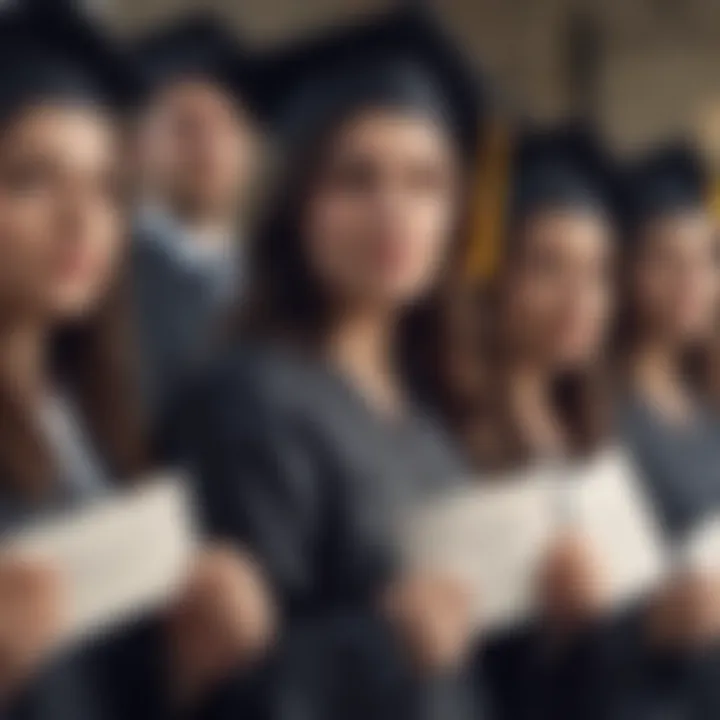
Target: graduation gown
pixel 680 467
pixel 293 463
pixel 109 678
pixel 180 299
pixel 532 674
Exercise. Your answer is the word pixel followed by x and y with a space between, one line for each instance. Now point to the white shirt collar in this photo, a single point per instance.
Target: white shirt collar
pixel 197 251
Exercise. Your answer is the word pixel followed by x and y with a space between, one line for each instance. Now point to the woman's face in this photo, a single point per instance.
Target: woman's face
pixel 384 209
pixel 675 279
pixel 559 288
pixel 60 212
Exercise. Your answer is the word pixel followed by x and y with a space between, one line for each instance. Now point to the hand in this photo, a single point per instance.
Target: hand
pixel 572 587
pixel 224 620
pixel 432 616
pixel 686 613
pixel 31 614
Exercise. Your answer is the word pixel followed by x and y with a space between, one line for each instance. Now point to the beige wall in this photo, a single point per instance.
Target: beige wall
pixel 661 57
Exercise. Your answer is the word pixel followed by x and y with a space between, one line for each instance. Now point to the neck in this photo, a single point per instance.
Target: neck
pixel 531 405
pixel 361 345
pixel 655 371
pixel 529 389
pixel 23 357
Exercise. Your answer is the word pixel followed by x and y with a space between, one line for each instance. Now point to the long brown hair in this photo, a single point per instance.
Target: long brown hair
pixel 474 385
pixel 94 363
pixel 286 302
pixel 699 363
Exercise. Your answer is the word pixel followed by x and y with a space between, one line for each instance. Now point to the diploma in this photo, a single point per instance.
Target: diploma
pixel 492 537
pixel 611 511
pixel 117 559
pixel 495 535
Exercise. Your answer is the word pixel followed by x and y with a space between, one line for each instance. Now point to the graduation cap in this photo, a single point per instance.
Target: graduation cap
pixel 671 179
pixel 400 59
pixel 51 49
pixel 527 170
pixel 199 46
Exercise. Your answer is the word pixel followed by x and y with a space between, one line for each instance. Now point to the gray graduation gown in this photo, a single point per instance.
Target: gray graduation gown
pixel 179 305
pixel 293 463
pixel 681 469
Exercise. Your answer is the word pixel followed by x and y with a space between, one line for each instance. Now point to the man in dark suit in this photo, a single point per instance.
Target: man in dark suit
pixel 197 145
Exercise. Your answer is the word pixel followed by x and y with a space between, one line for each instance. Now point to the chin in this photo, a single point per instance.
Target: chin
pixel 400 291
pixel 66 307
pixel 574 360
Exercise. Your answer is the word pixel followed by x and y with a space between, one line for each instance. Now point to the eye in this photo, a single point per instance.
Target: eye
pixel 356 174
pixel 26 177
pixel 429 178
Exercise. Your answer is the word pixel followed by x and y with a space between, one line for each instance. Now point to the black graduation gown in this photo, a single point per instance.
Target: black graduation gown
pixel 531 674
pixel 293 463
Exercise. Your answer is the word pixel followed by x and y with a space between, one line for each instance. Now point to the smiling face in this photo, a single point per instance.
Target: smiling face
pixel 558 298
pixel 675 280
pixel 378 225
pixel 61 215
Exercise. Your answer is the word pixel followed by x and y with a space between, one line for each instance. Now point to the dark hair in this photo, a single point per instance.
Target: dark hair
pixel 699 363
pixel 475 381
pixel 287 303
pixel 94 364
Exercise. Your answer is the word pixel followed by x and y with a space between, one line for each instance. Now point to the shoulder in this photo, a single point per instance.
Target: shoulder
pixel 255 380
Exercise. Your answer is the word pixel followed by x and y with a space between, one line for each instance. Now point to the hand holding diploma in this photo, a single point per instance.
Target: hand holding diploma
pixel 685 613
pixel 225 619
pixel 504 538
pixel 116 560
pixel 71 577
pixel 572 583
pixel 433 619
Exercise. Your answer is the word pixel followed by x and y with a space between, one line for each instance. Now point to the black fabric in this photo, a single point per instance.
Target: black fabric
pixel 671 179
pixel 679 468
pixel 564 167
pixel 53 52
pixel 202 47
pixel 400 59
pixel 293 464
pixel 532 676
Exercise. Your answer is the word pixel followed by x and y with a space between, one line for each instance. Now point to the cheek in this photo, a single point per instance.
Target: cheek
pixel 536 303
pixel 654 291
pixel 431 224
pixel 106 242
pixel 336 228
pixel 25 246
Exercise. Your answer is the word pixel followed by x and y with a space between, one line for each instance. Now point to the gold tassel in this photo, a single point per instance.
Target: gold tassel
pixel 713 199
pixel 488 214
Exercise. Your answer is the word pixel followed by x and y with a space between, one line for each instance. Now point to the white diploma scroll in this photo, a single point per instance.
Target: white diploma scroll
pixel 117 559
pixel 495 534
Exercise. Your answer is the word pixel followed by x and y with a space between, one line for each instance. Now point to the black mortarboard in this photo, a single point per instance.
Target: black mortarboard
pixel 198 46
pixel 50 49
pixel 402 58
pixel 527 169
pixel 669 180
pixel 562 167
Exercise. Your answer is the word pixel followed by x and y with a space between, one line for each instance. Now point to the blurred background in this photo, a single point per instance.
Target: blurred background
pixel 645 69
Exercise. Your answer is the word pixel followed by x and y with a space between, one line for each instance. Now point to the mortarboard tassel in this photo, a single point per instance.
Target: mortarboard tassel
pixel 489 211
